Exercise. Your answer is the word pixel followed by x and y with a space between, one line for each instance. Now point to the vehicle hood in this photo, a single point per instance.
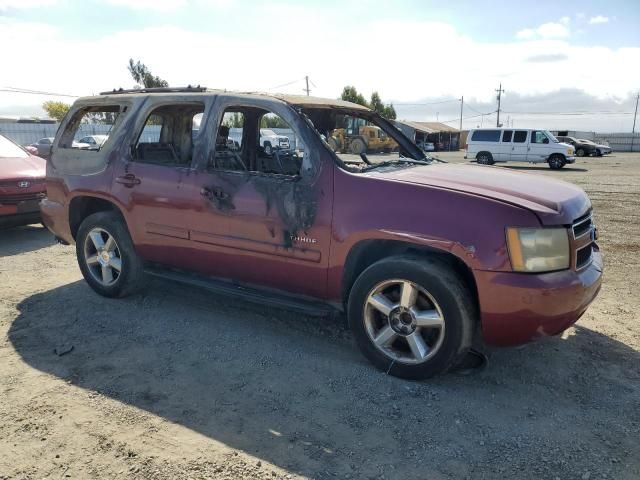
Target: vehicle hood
pixel 554 202
pixel 15 168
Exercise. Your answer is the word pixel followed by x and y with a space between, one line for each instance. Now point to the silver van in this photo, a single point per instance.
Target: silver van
pixel 490 145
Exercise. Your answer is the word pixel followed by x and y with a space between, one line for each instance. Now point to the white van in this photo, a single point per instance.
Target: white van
pixel 490 145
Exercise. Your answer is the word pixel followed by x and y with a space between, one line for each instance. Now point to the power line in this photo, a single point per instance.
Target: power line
pixel 287 84
pixel 605 112
pixel 428 103
pixel 35 92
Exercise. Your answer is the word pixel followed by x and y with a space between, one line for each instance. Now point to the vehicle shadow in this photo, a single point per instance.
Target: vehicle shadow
pixel 294 391
pixel 545 168
pixel 16 240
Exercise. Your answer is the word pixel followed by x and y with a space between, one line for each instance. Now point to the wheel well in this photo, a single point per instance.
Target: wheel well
pixel 81 207
pixel 484 151
pixel 367 252
pixel 557 155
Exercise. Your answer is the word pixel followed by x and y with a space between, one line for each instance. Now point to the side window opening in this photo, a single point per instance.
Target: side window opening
pixel 506 136
pixel 167 137
pixel 256 140
pixel 95 121
pixel 520 136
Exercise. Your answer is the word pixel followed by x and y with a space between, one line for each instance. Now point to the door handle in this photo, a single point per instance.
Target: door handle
pixel 212 193
pixel 129 180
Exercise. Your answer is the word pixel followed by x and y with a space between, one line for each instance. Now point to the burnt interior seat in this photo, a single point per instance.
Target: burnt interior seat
pixel 162 153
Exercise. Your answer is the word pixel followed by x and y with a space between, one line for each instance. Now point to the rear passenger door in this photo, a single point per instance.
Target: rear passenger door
pixel 520 146
pixel 153 183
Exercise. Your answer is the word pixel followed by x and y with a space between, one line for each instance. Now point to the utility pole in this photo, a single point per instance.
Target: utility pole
pixel 461 106
pixel 500 92
pixel 306 79
pixel 633 130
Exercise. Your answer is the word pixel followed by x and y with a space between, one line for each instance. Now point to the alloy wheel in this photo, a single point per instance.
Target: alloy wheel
pixel 102 255
pixel 404 321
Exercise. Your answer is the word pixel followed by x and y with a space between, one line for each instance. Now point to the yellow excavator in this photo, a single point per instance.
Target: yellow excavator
pixel 360 137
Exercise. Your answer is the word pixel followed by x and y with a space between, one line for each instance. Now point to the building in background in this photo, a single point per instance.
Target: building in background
pixel 443 137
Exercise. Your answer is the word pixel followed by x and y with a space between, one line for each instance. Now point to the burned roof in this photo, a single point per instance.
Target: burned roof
pixel 298 100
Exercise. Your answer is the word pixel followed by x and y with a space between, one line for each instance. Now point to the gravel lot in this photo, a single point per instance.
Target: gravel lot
pixel 178 383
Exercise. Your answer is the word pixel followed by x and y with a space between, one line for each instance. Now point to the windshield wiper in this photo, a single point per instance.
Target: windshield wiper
pixel 388 163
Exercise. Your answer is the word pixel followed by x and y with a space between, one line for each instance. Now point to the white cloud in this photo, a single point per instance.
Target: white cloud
pixel 598 19
pixel 559 29
pixel 25 4
pixel 159 5
pixel 185 57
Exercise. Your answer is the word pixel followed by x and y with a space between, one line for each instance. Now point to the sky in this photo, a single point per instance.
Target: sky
pixel 563 65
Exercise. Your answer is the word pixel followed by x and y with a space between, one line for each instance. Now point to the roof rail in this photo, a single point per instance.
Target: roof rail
pixel 187 89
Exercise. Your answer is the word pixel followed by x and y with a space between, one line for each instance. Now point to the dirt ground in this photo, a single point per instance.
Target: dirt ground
pixel 178 383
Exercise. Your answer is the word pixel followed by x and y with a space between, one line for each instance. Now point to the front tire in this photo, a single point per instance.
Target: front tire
pixel 580 152
pixel 412 317
pixel 556 162
pixel 268 149
pixel 106 255
pixel 357 146
pixel 484 158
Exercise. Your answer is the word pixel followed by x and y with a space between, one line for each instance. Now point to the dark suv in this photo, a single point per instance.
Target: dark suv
pixel 583 149
pixel 424 257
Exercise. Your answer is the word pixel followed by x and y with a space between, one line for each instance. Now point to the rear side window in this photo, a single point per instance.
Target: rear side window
pixel 506 136
pixel 486 136
pixel 520 136
pixel 167 136
pixel 96 120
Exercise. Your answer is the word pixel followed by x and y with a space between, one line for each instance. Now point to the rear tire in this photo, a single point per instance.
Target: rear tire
pixel 484 158
pixel 443 315
pixel 556 161
pixel 106 255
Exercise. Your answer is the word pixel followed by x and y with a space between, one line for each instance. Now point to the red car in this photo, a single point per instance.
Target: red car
pixel 424 257
pixel 22 185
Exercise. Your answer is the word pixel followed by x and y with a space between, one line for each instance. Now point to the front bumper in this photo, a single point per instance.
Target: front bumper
pixel 22 213
pixel 517 308
pixel 570 159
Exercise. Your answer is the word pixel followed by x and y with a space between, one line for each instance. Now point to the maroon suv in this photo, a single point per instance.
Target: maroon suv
pixel 22 185
pixel 424 257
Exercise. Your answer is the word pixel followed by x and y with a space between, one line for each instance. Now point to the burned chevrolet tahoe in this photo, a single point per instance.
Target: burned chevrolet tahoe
pixel 318 206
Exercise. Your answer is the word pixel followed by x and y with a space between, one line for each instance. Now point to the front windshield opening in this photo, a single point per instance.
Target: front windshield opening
pixel 361 140
pixel 8 149
pixel 551 137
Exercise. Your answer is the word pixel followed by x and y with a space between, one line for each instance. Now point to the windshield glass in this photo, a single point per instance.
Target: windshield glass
pixel 362 140
pixel 10 149
pixel 582 140
pixel 551 137
pixel 267 133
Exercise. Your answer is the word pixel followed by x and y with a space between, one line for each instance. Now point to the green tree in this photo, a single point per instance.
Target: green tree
pixel 389 112
pixel 376 103
pixel 143 77
pixel 350 94
pixel 56 110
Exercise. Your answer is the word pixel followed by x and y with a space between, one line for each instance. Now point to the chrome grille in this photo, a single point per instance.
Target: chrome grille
pixel 582 226
pixel 22 197
pixel 584 236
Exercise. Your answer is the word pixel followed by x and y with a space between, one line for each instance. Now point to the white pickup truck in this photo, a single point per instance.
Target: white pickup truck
pixel 270 141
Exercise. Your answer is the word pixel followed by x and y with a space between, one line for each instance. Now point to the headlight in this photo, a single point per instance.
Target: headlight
pixel 570 151
pixel 538 249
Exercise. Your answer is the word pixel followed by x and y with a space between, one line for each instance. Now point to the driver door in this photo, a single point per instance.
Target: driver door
pixel 538 150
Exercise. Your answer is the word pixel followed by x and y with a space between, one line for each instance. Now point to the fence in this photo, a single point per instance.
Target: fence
pixel 619 142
